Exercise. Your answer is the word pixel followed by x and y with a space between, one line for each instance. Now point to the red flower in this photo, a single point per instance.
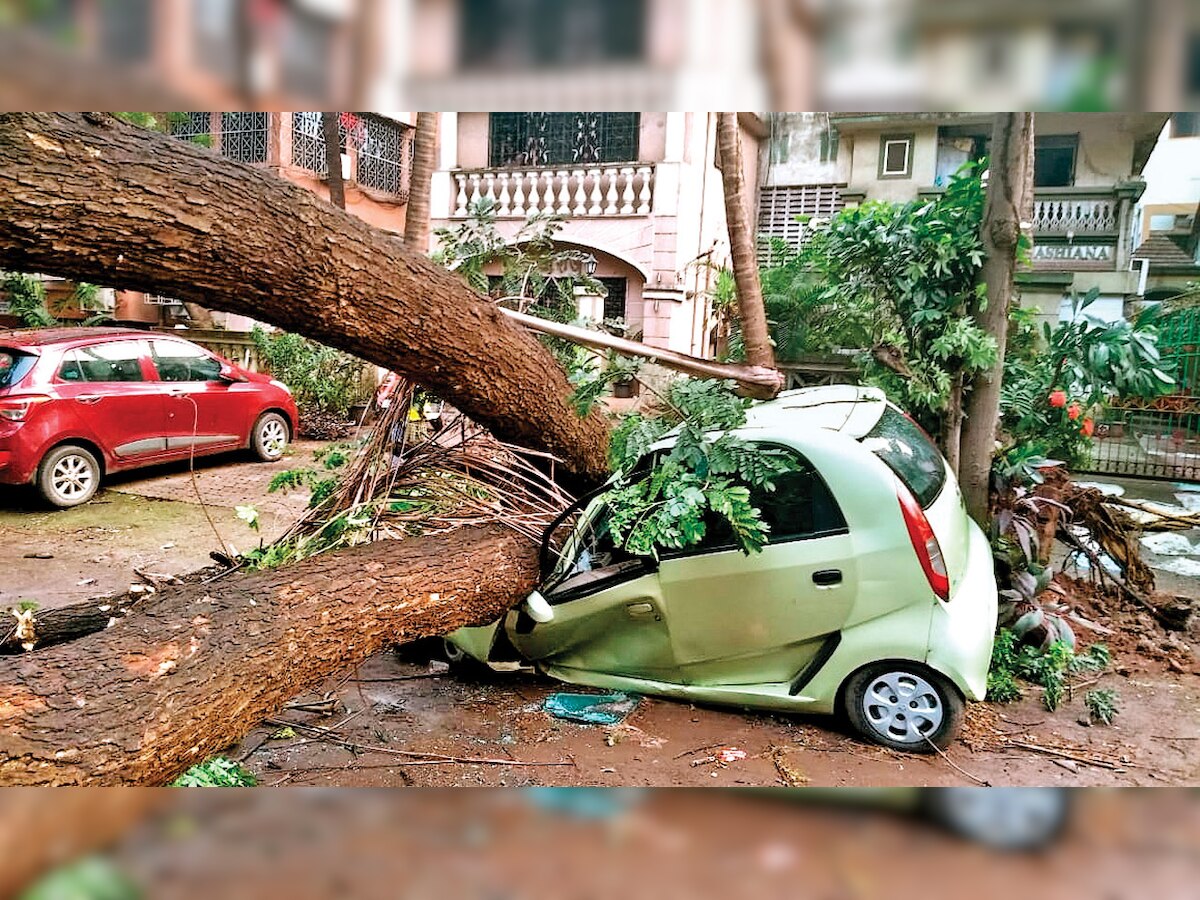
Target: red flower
pixel 1058 399
pixel 1087 428
pixel 1074 411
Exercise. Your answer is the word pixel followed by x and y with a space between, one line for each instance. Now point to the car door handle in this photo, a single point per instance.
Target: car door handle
pixel 827 577
pixel 641 611
pixel 90 398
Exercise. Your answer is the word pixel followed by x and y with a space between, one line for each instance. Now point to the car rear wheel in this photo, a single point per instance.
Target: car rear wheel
pixel 68 476
pixel 270 436
pixel 903 706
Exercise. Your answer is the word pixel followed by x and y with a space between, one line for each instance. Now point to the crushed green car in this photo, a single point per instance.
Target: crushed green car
pixel 874 597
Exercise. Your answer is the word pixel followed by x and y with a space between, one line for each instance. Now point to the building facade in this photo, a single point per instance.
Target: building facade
pixel 376 155
pixel 639 192
pixel 1087 182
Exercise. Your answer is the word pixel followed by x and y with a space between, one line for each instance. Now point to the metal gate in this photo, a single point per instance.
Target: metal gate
pixel 1158 438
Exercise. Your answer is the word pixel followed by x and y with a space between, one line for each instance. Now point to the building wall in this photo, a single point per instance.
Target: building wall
pixel 664 255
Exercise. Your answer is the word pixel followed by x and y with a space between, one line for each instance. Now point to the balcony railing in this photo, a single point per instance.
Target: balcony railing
pixel 613 189
pixel 1092 213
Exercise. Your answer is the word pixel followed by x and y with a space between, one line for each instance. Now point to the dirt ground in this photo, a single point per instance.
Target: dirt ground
pixel 150 521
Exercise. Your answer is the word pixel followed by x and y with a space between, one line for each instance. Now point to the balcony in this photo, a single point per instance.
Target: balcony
pixel 597 191
pixel 1067 211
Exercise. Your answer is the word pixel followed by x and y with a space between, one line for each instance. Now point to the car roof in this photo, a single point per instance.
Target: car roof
pixel 849 409
pixel 43 337
pixel 845 409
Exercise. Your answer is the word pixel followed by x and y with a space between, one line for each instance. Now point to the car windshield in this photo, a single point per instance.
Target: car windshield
pixel 13 366
pixel 901 443
pixel 592 555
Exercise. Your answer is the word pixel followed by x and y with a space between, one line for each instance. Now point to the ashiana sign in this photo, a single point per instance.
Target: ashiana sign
pixel 1087 252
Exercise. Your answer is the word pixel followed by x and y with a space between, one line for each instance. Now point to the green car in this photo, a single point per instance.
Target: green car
pixel 875 595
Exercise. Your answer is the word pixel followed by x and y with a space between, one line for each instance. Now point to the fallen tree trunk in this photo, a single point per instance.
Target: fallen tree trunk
pixel 62 624
pixel 200 665
pixel 89 197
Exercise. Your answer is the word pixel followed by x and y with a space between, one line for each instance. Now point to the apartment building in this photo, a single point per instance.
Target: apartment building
pixel 1087 182
pixel 638 193
pixel 376 156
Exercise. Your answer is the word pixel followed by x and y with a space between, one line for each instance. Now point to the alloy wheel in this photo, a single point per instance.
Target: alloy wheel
pixel 903 707
pixel 72 477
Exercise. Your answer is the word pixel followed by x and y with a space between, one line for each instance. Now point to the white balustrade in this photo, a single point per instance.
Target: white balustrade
pixel 1080 215
pixel 598 192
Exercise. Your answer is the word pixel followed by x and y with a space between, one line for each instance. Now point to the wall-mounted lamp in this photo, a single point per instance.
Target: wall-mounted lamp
pixel 589 265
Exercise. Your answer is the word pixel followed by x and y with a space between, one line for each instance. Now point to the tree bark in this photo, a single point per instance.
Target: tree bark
pixel 333 159
pixel 199 666
pixel 416 217
pixel 952 424
pixel 751 311
pixel 1009 200
pixel 89 197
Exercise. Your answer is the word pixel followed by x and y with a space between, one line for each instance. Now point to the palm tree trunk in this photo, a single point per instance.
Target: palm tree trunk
pixel 741 245
pixel 425 141
pixel 333 159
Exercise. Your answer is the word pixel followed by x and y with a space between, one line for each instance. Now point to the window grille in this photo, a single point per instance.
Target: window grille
pixel 244 136
pixel 573 138
pixel 191 125
pixel 308 142
pixel 614 300
pixel 384 155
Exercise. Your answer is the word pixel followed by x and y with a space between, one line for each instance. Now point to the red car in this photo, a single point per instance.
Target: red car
pixel 79 403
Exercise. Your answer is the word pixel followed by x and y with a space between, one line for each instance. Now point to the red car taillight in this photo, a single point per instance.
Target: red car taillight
pixel 925 543
pixel 17 409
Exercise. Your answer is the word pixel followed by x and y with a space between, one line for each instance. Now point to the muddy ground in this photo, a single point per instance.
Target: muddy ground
pixel 150 521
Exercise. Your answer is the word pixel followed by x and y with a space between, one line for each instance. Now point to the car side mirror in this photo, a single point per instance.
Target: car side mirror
pixel 230 375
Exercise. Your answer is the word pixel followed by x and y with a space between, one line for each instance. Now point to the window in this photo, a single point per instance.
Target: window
pixel 908 452
pixel 1185 125
pixel 829 145
pixel 525 34
pixel 244 136
pixel 114 361
pixel 614 300
pixel 195 127
pixel 384 155
pixel 800 507
pixel 177 361
pixel 14 365
pixel 552 139
pixel 1054 160
pixel 895 156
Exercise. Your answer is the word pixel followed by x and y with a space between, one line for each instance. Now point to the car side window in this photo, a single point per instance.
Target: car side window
pixel 177 361
pixel 112 361
pixel 801 507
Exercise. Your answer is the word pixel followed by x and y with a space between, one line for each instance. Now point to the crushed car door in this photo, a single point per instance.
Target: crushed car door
pixel 607 610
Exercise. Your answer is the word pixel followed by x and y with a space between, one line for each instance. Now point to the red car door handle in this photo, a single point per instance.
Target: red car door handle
pixel 90 398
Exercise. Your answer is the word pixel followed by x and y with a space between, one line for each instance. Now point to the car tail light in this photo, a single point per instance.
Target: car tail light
pixel 925 543
pixel 17 409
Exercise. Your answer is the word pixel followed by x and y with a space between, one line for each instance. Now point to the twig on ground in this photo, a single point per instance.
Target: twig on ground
pixel 961 771
pixel 1086 760
pixel 419 758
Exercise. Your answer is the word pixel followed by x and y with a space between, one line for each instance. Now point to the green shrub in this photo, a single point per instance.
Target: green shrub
pixel 324 381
